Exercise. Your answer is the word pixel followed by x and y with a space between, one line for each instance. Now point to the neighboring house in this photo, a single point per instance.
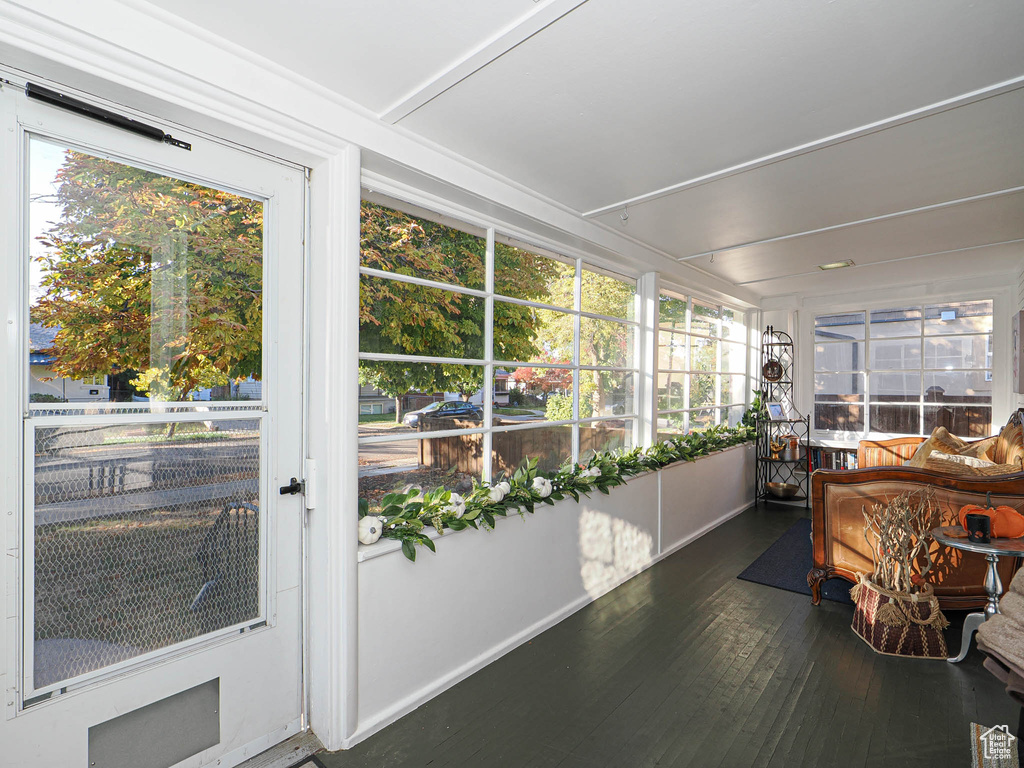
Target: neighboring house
pixel 501 381
pixel 247 389
pixel 372 400
pixel 44 381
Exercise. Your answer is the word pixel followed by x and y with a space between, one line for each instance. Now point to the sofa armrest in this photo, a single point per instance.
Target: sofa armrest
pixel 887 453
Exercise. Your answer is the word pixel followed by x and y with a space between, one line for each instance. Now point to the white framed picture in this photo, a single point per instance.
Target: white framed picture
pixel 776 412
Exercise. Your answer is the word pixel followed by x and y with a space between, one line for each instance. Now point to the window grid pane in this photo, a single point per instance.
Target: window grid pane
pixel 545 360
pixel 923 367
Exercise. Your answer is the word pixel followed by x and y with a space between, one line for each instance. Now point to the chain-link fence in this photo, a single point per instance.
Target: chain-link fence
pixel 145 535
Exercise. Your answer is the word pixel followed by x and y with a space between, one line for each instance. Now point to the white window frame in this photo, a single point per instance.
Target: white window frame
pixel 580 262
pixel 867 370
pixel 687 371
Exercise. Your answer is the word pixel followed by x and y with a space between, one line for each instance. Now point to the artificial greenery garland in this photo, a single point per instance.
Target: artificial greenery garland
pixel 405 515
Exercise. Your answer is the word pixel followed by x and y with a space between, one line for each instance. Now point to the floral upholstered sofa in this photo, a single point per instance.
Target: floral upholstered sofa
pixel 960 472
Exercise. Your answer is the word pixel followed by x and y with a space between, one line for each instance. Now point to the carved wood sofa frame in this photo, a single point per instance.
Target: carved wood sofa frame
pixel 837 521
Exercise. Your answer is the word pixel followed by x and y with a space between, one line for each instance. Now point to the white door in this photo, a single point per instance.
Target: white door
pixel 153 572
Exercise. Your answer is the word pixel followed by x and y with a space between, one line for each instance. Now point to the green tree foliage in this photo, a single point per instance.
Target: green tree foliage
pixel 403 318
pixel 601 343
pixel 153 274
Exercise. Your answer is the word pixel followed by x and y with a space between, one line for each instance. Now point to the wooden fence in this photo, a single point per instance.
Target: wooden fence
pixel 551 446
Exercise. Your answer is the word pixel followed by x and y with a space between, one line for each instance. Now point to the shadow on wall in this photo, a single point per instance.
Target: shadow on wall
pixel 610 550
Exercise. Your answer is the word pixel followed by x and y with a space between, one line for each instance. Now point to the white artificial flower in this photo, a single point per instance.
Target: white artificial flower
pixel 542 487
pixel 456 506
pixel 592 472
pixel 496 494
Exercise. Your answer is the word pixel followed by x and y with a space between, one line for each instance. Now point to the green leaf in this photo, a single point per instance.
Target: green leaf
pixel 409 550
pixel 427 542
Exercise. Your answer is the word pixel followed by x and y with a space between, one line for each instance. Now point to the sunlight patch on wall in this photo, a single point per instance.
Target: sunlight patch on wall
pixel 610 550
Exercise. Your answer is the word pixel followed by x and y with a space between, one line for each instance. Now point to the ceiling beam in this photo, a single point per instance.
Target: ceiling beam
pixel 881 263
pixel 858 222
pixel 545 14
pixel 838 138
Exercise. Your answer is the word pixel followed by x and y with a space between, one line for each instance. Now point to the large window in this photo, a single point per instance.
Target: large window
pixel 702 364
pixel 489 351
pixel 905 370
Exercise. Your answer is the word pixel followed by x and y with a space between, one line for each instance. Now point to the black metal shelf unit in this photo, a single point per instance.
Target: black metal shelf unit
pixel 781 466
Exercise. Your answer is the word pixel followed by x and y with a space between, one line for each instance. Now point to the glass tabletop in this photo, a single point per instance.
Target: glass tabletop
pixel 1008 547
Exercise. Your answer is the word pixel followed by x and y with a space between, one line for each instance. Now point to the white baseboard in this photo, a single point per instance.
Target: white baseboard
pixel 428 692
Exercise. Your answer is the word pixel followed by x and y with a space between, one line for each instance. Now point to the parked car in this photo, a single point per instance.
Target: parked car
pixel 447 410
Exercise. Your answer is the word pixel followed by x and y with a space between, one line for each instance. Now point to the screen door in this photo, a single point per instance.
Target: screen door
pixel 161 400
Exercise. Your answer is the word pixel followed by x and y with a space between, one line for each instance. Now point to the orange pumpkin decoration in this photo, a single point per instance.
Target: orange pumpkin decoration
pixel 1007 522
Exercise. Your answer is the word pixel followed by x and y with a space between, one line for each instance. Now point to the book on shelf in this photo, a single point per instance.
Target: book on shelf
pixel 821 457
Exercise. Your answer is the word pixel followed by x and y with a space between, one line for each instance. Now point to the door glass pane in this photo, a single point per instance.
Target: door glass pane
pixel 145 535
pixel 154 281
pixel 142 287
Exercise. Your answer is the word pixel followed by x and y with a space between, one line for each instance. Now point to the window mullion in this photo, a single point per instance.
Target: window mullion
pixel 487 395
pixel 577 302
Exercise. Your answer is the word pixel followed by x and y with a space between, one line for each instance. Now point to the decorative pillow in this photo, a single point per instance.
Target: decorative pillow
pixel 940 440
pixel 981 449
pixel 1010 446
pixel 957 469
pixel 961 458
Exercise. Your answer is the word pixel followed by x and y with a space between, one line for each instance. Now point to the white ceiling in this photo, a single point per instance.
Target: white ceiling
pixel 835 112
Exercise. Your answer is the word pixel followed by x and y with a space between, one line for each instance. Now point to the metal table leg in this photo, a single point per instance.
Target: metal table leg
pixel 971 623
pixel 994 588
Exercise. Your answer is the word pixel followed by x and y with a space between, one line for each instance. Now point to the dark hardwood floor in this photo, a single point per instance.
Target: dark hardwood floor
pixel 685 665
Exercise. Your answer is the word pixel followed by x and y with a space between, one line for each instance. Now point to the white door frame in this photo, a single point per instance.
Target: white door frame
pixel 140 683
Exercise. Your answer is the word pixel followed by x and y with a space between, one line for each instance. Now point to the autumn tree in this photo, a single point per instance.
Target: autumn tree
pixel 405 318
pixel 151 274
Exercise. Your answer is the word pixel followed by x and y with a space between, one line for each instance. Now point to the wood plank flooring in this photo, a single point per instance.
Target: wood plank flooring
pixel 685 665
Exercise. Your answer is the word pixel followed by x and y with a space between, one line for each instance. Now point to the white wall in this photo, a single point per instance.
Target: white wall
pixel 426 625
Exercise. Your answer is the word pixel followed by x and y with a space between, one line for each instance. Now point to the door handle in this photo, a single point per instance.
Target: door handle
pixel 295 486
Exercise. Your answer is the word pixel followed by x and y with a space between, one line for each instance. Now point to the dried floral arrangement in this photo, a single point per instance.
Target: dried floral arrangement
pixel 899 535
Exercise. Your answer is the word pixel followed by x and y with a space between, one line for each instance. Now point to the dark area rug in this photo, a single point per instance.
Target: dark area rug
pixel 785 564
pixel 309 762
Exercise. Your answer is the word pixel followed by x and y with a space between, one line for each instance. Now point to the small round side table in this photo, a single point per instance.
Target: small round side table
pixel 993 584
